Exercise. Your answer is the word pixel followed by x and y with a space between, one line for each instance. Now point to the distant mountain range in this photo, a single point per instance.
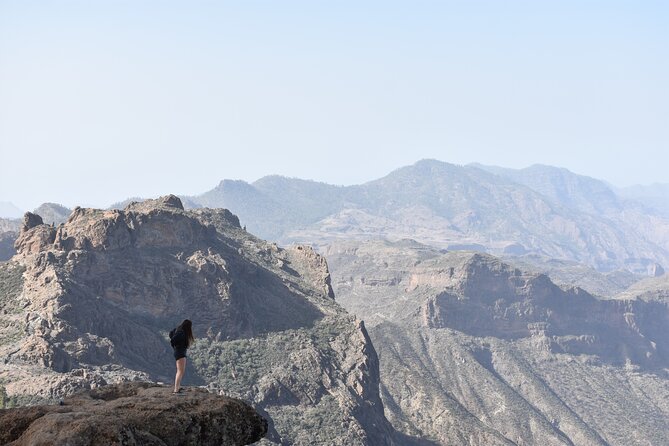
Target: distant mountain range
pixel 540 210
pixel 537 211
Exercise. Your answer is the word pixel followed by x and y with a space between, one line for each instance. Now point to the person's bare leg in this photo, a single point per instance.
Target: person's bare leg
pixel 181 369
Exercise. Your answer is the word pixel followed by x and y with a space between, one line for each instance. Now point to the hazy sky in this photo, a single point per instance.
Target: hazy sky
pixel 102 100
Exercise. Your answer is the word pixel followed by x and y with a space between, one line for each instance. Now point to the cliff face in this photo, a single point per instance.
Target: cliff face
pixel 135 413
pixel 474 351
pixel 95 297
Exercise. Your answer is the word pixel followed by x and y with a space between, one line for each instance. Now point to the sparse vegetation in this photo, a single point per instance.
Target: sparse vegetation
pixel 291 374
pixel 8 402
pixel 11 284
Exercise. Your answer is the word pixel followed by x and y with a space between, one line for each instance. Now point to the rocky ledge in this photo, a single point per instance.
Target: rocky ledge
pixel 135 414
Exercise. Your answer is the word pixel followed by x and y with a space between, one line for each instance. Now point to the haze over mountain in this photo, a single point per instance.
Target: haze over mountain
pixel 53 213
pixel 474 351
pixel 9 230
pixel 540 210
pixel 9 210
pixel 566 274
pixel 654 196
pixel 577 192
pixel 650 289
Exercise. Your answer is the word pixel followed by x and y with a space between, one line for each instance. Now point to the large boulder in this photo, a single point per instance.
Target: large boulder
pixel 135 414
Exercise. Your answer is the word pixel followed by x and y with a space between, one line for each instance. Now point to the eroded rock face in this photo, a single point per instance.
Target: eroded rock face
pixel 132 414
pixel 31 220
pixel 99 293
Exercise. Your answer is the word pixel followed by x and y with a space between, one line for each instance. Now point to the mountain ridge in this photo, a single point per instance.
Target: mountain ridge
pixel 449 205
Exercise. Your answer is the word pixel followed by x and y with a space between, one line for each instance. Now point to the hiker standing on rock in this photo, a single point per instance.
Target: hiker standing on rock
pixel 180 339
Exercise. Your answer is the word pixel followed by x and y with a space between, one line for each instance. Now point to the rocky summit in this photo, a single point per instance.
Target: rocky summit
pixel 474 351
pixel 90 302
pixel 134 414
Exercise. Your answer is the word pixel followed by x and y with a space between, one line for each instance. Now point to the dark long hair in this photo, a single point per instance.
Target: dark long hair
pixel 187 327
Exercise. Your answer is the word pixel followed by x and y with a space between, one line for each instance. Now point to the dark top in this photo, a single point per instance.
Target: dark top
pixel 179 343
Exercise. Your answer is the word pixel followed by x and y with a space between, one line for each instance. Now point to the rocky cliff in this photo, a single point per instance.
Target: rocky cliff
pixel 475 351
pixel 134 414
pixel 90 302
pixel 51 213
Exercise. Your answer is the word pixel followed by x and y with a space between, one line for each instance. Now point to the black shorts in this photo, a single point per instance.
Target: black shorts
pixel 179 353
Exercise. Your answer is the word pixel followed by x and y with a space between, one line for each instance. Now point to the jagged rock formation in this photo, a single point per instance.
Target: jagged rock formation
pixel 92 301
pixel 458 207
pixel 134 414
pixel 474 351
pixel 49 213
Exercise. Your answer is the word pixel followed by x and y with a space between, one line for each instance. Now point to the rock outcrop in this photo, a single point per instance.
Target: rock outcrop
pixel 134 414
pixel 474 351
pixel 656 270
pixel 95 298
